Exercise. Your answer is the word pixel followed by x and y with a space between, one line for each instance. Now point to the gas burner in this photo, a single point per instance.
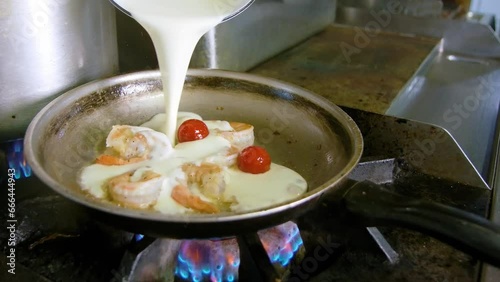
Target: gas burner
pixel 206 260
pixel 15 158
pixel 213 260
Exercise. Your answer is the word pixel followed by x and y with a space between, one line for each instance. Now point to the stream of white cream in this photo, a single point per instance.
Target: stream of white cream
pixel 175 27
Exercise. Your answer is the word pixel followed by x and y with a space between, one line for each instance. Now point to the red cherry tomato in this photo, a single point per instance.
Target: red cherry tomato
pixel 191 130
pixel 254 159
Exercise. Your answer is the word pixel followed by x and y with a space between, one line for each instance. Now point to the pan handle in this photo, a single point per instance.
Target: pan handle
pixel 470 233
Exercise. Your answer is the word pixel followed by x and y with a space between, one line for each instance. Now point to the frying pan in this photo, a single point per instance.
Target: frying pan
pixel 300 130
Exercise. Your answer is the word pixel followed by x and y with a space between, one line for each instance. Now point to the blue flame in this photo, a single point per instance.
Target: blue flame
pixel 236 263
pixel 138 237
pixel 218 261
pixel 214 261
pixel 16 160
pixel 282 242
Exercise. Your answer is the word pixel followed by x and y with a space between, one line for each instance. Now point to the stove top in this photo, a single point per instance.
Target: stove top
pixel 56 240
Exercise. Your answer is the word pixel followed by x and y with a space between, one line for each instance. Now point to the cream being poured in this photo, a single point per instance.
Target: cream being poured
pixel 175 27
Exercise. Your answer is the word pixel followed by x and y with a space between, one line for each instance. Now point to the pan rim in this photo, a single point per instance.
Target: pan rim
pixel 90 87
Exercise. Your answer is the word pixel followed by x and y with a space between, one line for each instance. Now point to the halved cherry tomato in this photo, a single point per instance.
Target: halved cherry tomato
pixel 254 159
pixel 191 130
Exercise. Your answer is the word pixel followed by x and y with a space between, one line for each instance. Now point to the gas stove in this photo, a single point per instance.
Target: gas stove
pixel 56 240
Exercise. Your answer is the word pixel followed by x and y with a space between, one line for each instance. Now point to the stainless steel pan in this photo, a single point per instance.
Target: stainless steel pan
pixel 301 130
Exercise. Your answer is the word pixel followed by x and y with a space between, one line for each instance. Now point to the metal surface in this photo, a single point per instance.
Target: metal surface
pixel 370 80
pixel 239 11
pixel 482 18
pixel 380 172
pixel 457 93
pixel 436 71
pixel 48 47
pixel 377 171
pixel 461 37
pixel 427 148
pixel 367 78
pixel 265 29
pixel 268 28
pixel 415 8
pixel 82 118
pixel 455 88
pixel 389 252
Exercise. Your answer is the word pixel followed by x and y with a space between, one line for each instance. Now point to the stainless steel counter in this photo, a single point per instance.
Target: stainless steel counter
pixel 454 88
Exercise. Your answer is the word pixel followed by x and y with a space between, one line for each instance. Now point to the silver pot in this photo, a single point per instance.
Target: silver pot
pixel 48 47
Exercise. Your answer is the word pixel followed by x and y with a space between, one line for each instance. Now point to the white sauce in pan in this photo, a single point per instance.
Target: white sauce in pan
pixel 252 191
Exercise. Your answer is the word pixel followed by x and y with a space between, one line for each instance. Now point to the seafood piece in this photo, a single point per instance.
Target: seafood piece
pixel 225 158
pixel 112 160
pixel 241 137
pixel 131 144
pixel 209 178
pixel 136 189
pixel 184 197
pixel 127 143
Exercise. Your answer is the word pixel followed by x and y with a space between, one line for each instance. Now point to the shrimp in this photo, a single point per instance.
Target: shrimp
pixel 241 137
pixel 112 160
pixel 184 197
pixel 127 143
pixel 132 144
pixel 224 158
pixel 136 189
pixel 209 178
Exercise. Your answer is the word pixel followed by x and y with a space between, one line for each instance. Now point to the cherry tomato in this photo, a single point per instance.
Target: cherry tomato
pixel 254 159
pixel 191 130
